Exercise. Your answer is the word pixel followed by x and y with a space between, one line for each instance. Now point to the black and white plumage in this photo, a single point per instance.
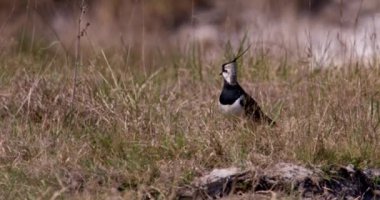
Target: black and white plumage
pixel 234 100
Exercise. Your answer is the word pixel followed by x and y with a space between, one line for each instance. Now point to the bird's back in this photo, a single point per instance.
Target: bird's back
pixel 253 110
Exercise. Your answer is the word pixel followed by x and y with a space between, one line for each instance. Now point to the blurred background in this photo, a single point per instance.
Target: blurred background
pixel 321 30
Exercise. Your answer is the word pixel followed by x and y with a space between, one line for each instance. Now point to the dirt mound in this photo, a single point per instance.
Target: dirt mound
pixel 334 182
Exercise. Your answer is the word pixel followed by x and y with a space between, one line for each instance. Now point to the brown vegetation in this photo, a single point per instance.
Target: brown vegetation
pixel 145 118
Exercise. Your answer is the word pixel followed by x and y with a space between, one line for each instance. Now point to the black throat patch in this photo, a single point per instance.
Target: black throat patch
pixel 230 93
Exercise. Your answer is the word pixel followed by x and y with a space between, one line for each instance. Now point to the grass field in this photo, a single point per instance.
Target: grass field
pixel 133 131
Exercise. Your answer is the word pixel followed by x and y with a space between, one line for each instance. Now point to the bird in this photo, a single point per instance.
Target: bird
pixel 233 99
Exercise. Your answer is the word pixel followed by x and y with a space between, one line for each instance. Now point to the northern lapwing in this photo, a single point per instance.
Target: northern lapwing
pixel 234 100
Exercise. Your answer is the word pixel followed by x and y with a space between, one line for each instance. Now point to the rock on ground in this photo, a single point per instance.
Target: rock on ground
pixel 284 180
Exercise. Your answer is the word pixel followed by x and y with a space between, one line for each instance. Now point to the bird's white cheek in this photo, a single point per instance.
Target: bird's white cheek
pixel 226 77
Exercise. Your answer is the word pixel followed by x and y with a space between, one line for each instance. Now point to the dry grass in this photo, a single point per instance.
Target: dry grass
pixel 142 125
pixel 130 134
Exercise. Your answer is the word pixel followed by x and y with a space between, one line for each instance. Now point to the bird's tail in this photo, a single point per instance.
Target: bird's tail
pixel 261 116
pixel 268 120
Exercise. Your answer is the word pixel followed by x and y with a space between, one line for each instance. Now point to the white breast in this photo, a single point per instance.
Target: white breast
pixel 234 109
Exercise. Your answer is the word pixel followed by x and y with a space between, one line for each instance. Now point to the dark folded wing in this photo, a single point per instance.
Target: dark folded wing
pixel 253 110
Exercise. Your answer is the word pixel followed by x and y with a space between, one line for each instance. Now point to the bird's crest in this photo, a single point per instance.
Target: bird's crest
pixel 240 54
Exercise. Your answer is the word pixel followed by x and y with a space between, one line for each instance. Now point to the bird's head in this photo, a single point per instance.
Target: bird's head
pixel 229 72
